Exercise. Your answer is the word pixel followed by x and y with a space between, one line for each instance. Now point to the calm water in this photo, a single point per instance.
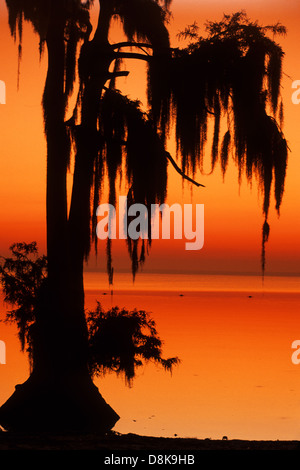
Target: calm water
pixel 233 337
pixel 193 283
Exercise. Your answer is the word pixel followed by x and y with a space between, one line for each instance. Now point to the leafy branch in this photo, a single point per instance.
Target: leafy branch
pixel 119 340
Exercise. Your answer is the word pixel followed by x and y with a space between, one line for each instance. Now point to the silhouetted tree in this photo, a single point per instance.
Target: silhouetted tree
pixel 118 340
pixel 235 70
pixel 122 340
pixel 22 276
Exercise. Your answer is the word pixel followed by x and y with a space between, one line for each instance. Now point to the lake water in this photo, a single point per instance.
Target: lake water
pixel 193 283
pixel 233 336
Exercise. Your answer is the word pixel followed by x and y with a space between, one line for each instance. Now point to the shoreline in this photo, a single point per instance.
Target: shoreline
pixel 132 443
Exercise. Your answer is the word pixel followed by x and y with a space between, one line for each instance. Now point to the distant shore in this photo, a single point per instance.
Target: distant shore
pixel 132 442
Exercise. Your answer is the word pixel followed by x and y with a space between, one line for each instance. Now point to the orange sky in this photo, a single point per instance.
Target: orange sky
pixel 232 215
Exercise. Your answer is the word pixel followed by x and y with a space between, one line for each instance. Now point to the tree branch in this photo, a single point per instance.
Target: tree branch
pixel 208 111
pixel 168 156
pixel 118 45
pixel 120 73
pixel 132 55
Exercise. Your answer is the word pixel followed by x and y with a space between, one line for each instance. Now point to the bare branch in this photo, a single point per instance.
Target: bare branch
pixel 132 55
pixel 209 112
pixel 168 156
pixel 118 45
pixel 120 73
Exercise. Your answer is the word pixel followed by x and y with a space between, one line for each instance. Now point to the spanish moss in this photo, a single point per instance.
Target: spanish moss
pixel 231 74
pixel 235 71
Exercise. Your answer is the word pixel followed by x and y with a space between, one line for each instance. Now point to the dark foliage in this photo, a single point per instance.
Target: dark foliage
pixel 120 340
pixel 230 76
pixel 22 276
pixel 235 73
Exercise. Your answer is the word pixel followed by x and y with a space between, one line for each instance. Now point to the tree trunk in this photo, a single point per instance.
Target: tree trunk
pixel 96 56
pixel 59 394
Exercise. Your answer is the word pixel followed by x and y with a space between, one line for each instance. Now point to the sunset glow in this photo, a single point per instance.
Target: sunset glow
pixel 231 328
pixel 232 214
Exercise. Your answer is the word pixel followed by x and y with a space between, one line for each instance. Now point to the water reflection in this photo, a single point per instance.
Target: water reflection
pixel 236 376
